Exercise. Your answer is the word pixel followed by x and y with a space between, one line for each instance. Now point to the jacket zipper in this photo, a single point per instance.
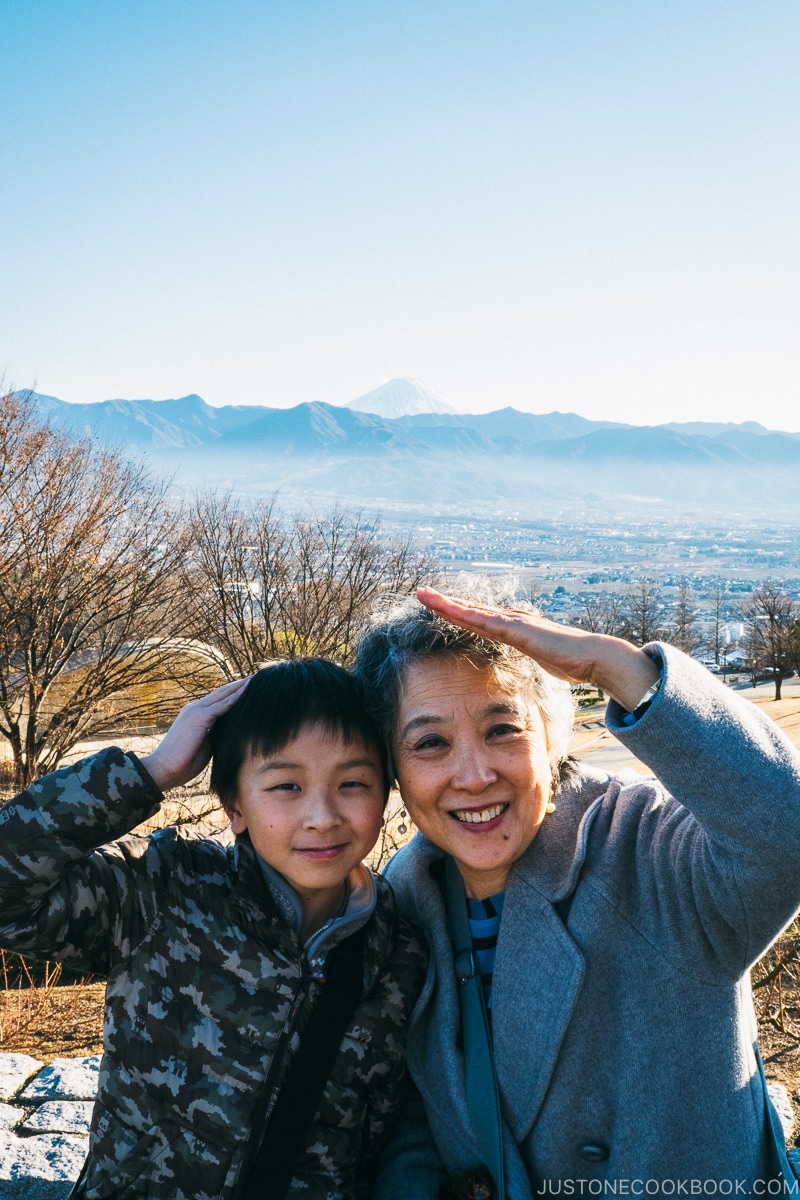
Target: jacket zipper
pixel 269 1092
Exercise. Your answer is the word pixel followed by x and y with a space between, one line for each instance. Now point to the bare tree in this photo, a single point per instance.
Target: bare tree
pixel 716 642
pixel 646 616
pixel 21 438
pixel 753 654
pixel 684 632
pixel 259 585
pixel 235 570
pixel 770 616
pixel 603 612
pixel 88 608
pixel 794 645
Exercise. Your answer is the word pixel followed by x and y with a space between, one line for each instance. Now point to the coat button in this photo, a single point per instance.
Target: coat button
pixel 593 1152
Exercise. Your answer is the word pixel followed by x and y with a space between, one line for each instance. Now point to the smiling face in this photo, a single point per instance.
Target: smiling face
pixel 473 766
pixel 313 810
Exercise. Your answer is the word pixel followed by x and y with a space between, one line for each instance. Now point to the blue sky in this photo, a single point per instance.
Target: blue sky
pixel 587 206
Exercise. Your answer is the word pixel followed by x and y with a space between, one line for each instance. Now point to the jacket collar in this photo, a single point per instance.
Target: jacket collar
pixel 553 860
pixel 269 907
pixel 358 907
pixel 252 898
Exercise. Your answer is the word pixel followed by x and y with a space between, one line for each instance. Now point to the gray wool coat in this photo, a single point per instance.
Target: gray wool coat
pixel 623 1039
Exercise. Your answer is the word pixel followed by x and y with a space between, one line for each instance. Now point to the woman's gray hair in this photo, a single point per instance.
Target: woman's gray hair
pixel 403 632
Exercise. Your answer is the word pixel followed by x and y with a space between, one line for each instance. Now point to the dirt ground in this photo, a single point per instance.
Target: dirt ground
pixel 65 1023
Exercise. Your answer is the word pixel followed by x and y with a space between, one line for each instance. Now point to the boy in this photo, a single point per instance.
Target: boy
pixel 216 957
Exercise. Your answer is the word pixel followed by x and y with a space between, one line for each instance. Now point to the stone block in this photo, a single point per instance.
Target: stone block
pixel 783 1107
pixel 65 1079
pixel 11 1115
pixel 36 1189
pixel 49 1157
pixel 60 1116
pixel 15 1070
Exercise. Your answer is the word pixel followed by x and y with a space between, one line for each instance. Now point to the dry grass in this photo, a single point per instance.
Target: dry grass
pixel 776 994
pixel 25 994
pixel 67 1022
pixel 42 1016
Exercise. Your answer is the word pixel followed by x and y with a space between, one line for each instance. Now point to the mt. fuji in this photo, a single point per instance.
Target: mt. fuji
pixel 401 398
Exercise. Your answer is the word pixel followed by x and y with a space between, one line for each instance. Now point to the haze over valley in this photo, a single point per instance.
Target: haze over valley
pixel 568 505
pixel 426 461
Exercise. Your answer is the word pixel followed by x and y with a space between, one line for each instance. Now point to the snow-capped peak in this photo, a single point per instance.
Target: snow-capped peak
pixel 401 398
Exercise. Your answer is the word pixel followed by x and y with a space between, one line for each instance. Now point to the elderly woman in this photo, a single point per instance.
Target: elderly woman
pixel 613 921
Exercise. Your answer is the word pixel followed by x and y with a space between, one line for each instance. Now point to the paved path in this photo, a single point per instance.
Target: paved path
pixel 592 742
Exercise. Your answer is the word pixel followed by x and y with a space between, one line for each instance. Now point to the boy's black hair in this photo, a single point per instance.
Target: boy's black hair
pixel 278 700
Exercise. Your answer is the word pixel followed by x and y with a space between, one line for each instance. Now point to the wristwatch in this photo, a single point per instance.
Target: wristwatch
pixel 643 705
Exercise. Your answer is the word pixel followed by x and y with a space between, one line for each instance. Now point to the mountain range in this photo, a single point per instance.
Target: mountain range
pixel 430 457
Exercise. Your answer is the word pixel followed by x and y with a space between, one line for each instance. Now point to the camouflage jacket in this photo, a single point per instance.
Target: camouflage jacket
pixel 208 987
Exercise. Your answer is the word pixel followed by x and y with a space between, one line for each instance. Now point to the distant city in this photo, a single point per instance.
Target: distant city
pixel 561 564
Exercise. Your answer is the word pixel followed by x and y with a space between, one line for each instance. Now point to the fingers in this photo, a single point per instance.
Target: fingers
pixel 185 749
pixel 613 664
pixel 455 610
pixel 207 709
pixel 506 625
pixel 224 697
pixel 554 647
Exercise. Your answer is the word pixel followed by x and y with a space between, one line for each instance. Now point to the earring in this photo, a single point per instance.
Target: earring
pixel 550 807
pixel 402 827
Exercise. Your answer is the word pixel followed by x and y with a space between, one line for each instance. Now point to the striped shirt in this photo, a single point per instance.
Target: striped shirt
pixel 484 925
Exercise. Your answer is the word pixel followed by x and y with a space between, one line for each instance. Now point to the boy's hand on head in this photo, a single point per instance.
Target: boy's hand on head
pixel 185 749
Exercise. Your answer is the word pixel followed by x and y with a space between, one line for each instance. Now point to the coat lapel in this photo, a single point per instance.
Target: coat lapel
pixel 538 975
pixel 537 979
pixel 539 968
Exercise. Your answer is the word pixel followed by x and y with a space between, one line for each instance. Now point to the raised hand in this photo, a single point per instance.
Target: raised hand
pixel 185 749
pixel 609 663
